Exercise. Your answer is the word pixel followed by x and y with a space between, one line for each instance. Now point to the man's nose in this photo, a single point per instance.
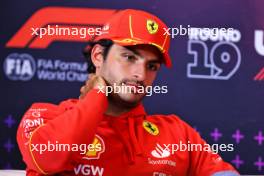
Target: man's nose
pixel 139 72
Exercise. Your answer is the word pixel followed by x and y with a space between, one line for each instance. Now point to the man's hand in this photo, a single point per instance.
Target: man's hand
pixel 93 82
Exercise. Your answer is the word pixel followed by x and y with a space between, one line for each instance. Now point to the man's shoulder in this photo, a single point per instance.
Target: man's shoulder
pixel 170 120
pixel 163 117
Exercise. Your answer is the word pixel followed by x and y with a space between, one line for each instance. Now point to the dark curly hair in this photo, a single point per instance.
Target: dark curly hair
pixel 106 43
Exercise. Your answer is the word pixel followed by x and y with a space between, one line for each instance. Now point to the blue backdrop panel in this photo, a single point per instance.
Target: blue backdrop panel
pixel 216 85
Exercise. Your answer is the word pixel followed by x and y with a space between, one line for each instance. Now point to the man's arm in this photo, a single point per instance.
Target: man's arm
pixel 65 124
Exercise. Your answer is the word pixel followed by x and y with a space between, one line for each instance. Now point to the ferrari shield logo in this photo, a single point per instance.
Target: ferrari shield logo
pixel 150 128
pixel 152 26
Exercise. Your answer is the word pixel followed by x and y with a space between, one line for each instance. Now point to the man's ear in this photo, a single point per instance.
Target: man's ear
pixel 97 56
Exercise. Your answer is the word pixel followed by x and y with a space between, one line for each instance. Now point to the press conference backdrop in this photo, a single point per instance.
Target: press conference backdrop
pixel 216 84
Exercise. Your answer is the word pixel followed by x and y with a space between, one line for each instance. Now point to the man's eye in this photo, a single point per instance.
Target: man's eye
pixel 153 67
pixel 129 57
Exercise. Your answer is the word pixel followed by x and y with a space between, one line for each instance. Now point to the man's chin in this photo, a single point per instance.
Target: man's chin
pixel 128 100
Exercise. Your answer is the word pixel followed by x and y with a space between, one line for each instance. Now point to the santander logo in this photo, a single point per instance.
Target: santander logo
pixel 160 152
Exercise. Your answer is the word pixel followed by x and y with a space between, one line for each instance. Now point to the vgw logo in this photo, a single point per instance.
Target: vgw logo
pixel 19 67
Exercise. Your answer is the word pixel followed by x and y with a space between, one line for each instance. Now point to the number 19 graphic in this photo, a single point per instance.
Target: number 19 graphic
pixel 221 63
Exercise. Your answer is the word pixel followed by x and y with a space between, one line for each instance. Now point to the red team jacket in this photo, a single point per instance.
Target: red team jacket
pixel 133 144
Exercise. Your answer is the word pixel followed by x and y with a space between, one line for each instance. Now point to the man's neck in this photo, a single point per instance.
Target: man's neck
pixel 115 110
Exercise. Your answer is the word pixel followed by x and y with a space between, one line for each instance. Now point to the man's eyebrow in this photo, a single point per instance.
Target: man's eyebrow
pixel 156 60
pixel 131 50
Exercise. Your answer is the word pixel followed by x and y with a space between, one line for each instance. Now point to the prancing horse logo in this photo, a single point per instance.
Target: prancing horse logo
pixel 152 26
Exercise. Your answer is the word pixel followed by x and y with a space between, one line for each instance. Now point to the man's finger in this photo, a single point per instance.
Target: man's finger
pixel 82 89
pixel 90 77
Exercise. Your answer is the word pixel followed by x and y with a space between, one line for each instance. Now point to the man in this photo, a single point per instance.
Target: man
pixel 119 137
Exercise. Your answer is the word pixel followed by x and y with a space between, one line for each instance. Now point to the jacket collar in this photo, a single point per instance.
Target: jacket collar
pixel 137 111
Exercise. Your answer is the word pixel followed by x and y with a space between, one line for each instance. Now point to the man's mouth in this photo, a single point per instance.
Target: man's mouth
pixel 135 86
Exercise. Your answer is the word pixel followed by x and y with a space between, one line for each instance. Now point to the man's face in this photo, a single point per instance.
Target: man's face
pixel 130 66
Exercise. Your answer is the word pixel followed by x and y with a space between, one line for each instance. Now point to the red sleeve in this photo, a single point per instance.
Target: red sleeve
pixel 68 123
pixel 205 162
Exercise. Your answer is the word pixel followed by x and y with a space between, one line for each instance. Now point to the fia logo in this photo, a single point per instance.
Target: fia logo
pixel 19 67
